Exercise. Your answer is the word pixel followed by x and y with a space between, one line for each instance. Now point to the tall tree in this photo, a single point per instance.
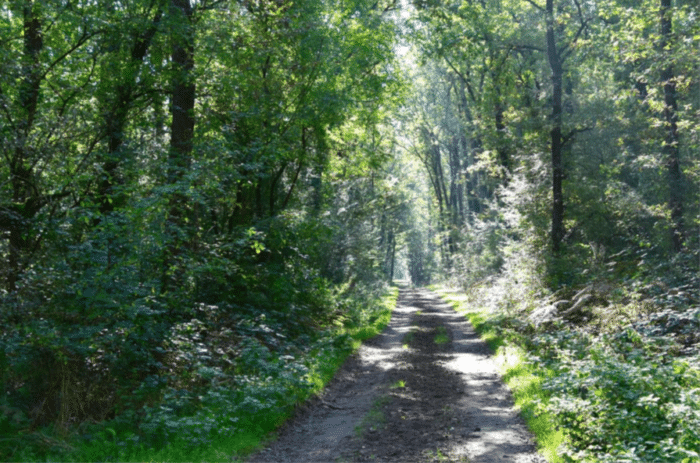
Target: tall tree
pixel 556 62
pixel 33 122
pixel 182 89
pixel 671 142
pixel 125 82
pixel 24 191
pixel 557 54
pixel 182 124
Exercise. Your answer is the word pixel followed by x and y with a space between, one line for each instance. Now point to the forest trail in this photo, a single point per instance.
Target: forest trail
pixel 424 390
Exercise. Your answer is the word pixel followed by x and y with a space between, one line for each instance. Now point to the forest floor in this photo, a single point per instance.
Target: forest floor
pixel 425 390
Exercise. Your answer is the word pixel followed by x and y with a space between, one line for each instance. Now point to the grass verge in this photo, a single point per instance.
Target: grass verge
pixel 522 377
pixel 323 368
pixel 322 364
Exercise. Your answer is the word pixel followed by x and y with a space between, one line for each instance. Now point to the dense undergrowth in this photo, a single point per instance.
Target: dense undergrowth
pixel 224 381
pixel 615 379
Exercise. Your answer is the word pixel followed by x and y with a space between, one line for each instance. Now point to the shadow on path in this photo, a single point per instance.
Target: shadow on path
pixel 424 390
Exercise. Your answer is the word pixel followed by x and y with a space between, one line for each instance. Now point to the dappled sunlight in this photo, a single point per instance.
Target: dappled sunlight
pixel 490 429
pixel 208 209
pixel 440 398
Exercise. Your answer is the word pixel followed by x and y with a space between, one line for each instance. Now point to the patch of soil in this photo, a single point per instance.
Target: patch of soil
pixel 424 390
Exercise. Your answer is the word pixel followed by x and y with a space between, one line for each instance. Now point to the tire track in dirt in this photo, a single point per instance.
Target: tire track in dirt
pixel 425 390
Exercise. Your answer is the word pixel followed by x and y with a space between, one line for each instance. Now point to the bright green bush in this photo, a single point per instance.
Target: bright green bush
pixel 622 396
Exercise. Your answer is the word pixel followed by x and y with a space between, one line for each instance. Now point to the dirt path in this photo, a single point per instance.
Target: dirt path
pixel 424 390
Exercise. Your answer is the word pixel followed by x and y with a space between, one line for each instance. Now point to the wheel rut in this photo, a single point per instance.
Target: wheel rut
pixel 424 390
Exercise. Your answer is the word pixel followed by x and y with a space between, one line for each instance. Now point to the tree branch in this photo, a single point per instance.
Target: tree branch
pixel 81 41
pixel 520 48
pixel 569 136
pixel 531 2
pixel 566 50
pixel 462 77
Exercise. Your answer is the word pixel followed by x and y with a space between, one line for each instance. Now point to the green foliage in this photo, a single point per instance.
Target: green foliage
pixel 441 336
pixel 143 285
pixel 621 396
pixel 484 77
pixel 620 376
pixel 210 381
pixel 159 295
pixel 621 386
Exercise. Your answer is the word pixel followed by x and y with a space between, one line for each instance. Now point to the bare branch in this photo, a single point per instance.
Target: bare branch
pixel 531 2
pixel 464 78
pixel 569 136
pixel 566 50
pixel 6 110
pixel 81 41
pixel 580 10
pixel 520 48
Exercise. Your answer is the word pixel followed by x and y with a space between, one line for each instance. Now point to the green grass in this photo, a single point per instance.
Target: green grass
pixel 324 371
pixel 523 378
pixel 377 322
pixel 441 336
pixel 228 448
pixel 400 384
pixel 408 338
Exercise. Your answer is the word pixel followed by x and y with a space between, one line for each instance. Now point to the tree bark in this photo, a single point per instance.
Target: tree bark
pixel 21 176
pixel 181 132
pixel 502 147
pixel 393 259
pixel 183 92
pixel 555 63
pixel 671 143
pixel 117 116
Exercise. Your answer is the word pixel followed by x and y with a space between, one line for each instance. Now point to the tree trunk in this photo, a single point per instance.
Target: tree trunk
pixel 671 145
pixel 393 259
pixel 555 63
pixel 117 116
pixel 181 133
pixel 183 92
pixel 21 176
pixel 502 147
